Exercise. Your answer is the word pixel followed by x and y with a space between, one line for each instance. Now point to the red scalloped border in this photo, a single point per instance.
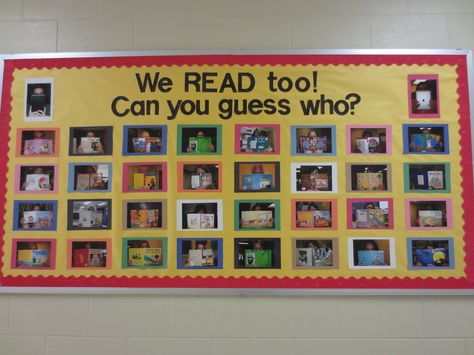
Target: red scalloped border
pixel 460 61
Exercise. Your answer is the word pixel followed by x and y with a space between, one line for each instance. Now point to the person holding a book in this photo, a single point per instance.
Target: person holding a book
pixel 90 144
pixel 152 145
pixel 200 134
pixel 41 181
pixel 424 97
pixel 206 182
pixel 43 109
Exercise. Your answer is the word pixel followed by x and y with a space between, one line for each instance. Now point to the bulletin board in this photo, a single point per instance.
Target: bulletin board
pixel 310 170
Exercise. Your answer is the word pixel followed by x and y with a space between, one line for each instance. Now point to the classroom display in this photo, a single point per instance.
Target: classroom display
pixel 237 171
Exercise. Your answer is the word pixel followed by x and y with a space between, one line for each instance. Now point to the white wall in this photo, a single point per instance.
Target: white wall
pixel 129 325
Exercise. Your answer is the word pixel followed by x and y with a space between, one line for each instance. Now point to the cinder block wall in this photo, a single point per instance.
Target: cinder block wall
pixel 135 325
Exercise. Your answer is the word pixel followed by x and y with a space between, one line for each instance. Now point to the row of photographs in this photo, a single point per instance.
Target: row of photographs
pixel 249 177
pixel 249 215
pixel 249 139
pixel 422 94
pixel 249 253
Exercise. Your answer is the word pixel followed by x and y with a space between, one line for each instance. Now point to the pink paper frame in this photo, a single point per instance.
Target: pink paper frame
pixel 18 179
pixel 237 127
pixel 52 254
pixel 388 131
pixel 412 77
pixel 449 213
pixel 164 169
pixel 349 202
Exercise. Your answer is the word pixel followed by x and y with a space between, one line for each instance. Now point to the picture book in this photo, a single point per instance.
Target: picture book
pixel 90 145
pixel 144 218
pixel 371 257
pixel 24 257
pixel 254 144
pixel 370 218
pixel 425 142
pixel 322 218
pixel 431 257
pixel 369 181
pixel 139 145
pixel 38 147
pixel 208 256
pixel 80 257
pixel 421 180
pixel 430 218
pixel 312 145
pixel 195 257
pixel 200 144
pixel 38 219
pixel 256 182
pixel 88 181
pixel 322 257
pixel 257 258
pixel 367 145
pixel 136 256
pixel 305 219
pixel 200 220
pixel 138 181
pixel 257 219
pixel 151 182
pixel 435 180
pixel 152 257
pixel 304 256
pixel 201 181
pixel 146 144
pixel 40 257
pixel 96 257
pixel 90 219
pixel 37 182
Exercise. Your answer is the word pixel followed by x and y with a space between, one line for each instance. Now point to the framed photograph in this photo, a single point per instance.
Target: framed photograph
pixel 315 253
pixel 199 176
pixel 252 215
pixel 144 140
pixel 199 140
pixel 34 143
pixel 257 139
pixel 257 253
pixel 36 179
pixel 89 214
pixel 89 254
pixel 429 213
pixel 313 214
pixel 145 253
pixel 425 139
pixel 203 253
pixel 87 177
pixel 313 177
pixel 38 254
pixel 39 94
pixel 365 253
pixel 199 215
pixel 427 177
pixel 362 177
pixel 35 215
pixel 91 140
pixel 257 177
pixel 313 140
pixel 144 177
pixel 144 214
pixel 430 253
pixel 370 213
pixel 369 139
pixel 423 96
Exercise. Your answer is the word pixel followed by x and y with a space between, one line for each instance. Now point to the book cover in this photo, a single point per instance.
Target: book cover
pixel 80 258
pixel 96 257
pixel 376 181
pixel 139 145
pixel 257 258
pixel 304 257
pixel 151 182
pixel 40 258
pixel 90 145
pixel 82 182
pixel 195 181
pixel 205 181
pixel 39 219
pixel 24 257
pixel 431 257
pixel 305 219
pixel 195 257
pixel 362 218
pixel 90 219
pixel 421 180
pixel 322 257
pixel 95 181
pixel 152 144
pixel 435 180
pixel 138 181
pixel 363 181
pixel 371 257
pixel 37 182
pixel 152 257
pixel 256 182
pixel 139 218
pixel 257 219
pixel 313 144
pixel 38 147
pixel 136 256
pixel 200 144
pixel 200 220
pixel 376 218
pixel 322 218
pixel 430 218
pixel 362 145
pixel 208 257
